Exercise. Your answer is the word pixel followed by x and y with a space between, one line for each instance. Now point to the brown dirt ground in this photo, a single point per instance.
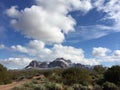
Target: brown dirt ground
pixel 12 85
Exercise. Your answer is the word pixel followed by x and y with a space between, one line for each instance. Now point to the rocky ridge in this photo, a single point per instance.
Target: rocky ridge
pixel 57 63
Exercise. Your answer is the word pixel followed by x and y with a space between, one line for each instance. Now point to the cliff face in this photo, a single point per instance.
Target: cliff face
pixel 33 64
pixel 59 62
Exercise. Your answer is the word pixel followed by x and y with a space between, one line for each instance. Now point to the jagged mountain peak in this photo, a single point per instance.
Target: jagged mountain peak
pixel 58 59
pixel 57 63
pixel 33 64
pixel 63 59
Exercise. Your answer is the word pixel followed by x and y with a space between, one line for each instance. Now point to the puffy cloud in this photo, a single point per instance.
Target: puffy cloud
pixel 103 57
pixel 91 61
pixel 109 60
pixel 2 46
pixel 36 44
pixel 19 48
pixel 66 6
pixel 100 51
pixel 68 52
pixel 37 50
pixel 47 21
pixel 12 12
pixel 33 48
pixel 76 55
pixel 17 63
pixel 117 53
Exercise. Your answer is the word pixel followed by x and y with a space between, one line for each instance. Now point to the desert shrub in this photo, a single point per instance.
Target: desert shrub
pixel 75 75
pixel 97 87
pixel 109 86
pixel 30 85
pixel 34 81
pixel 47 73
pixel 77 86
pixel 99 69
pixel 81 87
pixel 65 87
pixel 98 74
pixel 4 75
pixel 55 78
pixel 53 86
pixel 84 88
pixel 58 86
pixel 21 88
pixel 113 74
pixel 18 75
pixel 40 87
pixel 16 88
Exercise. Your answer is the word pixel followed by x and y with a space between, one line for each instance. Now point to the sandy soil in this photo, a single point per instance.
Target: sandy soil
pixel 12 85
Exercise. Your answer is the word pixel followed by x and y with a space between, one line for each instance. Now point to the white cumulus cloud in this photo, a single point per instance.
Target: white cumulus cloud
pixel 47 21
pixel 19 48
pixel 106 56
pixel 18 63
pixel 117 53
pixel 100 51
pixel 37 49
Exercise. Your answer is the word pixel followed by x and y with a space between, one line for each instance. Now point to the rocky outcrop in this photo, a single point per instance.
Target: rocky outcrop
pixel 43 65
pixel 34 64
pixel 57 63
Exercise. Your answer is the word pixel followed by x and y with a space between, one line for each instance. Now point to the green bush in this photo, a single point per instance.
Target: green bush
pixel 68 88
pixel 99 69
pixel 97 87
pixel 113 74
pixel 98 74
pixel 34 81
pixel 75 75
pixel 109 86
pixel 22 88
pixel 53 86
pixel 55 78
pixel 81 87
pixel 16 88
pixel 4 75
pixel 41 87
pixel 77 86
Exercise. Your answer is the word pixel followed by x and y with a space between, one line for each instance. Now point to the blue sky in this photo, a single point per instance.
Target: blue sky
pixel 86 31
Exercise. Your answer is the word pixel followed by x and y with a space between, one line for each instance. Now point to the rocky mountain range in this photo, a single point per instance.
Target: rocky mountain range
pixel 57 63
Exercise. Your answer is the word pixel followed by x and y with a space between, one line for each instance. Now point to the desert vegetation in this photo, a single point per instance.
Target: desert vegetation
pixel 99 78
